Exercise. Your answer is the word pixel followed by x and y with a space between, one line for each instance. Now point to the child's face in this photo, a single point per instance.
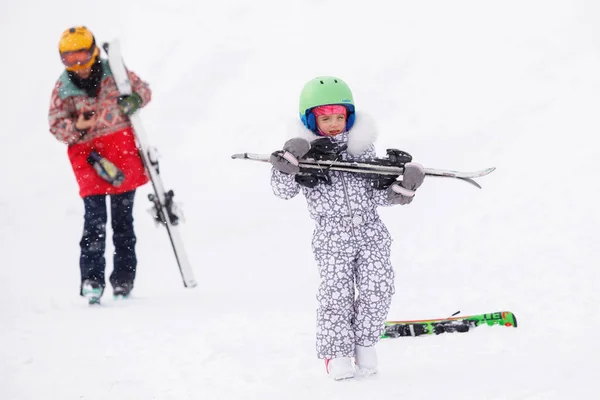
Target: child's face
pixel 331 124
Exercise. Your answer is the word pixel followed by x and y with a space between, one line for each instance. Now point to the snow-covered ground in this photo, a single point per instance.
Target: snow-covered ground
pixel 461 85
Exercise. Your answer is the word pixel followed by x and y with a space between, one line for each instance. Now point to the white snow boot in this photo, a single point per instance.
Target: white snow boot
pixel 339 368
pixel 366 360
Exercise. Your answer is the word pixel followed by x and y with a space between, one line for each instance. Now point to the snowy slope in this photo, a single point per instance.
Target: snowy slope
pixel 461 85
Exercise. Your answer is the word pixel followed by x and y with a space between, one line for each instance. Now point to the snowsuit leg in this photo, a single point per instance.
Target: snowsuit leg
pixel 374 283
pixel 335 337
pixel 347 256
pixel 93 241
pixel 124 239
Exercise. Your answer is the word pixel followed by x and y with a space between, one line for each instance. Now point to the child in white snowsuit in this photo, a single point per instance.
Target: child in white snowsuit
pixel 350 243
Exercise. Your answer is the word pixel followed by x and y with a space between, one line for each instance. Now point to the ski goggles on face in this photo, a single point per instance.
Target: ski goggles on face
pixel 79 57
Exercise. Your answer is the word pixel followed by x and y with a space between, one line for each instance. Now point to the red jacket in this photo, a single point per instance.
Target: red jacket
pixel 112 137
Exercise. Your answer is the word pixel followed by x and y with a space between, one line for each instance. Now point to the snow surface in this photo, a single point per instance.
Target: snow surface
pixel 461 85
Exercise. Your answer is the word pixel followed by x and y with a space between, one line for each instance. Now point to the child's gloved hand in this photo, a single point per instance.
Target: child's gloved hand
pixel 286 160
pixel 413 176
pixel 403 192
pixel 129 104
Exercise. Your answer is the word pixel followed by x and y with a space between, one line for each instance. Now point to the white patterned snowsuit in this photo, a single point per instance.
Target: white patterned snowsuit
pixel 352 247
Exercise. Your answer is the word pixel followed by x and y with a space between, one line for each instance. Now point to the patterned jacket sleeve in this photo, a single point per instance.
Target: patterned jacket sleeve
pixel 61 120
pixel 284 186
pixel 380 197
pixel 140 87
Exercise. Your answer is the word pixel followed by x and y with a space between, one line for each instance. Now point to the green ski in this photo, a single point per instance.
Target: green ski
pixel 394 329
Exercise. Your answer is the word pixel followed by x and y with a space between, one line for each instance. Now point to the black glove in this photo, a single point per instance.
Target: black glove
pixel 129 104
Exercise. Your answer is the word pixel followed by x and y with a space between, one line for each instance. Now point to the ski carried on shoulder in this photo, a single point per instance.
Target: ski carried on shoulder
pixel 395 329
pixel 162 200
pixel 378 166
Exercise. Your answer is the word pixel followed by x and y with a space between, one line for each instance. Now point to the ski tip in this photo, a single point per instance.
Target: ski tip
pixel 510 318
pixel 239 155
pixel 471 181
pixel 190 284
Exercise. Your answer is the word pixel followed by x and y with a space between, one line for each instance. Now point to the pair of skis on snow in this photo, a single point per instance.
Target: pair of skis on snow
pixel 395 329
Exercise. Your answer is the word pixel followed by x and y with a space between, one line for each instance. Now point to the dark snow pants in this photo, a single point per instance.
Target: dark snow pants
pixel 93 242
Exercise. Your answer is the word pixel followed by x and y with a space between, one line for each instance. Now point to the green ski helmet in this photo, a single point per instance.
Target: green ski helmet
pixel 325 90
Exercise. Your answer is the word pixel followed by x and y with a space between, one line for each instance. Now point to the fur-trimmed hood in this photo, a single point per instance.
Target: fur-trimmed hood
pixel 362 134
